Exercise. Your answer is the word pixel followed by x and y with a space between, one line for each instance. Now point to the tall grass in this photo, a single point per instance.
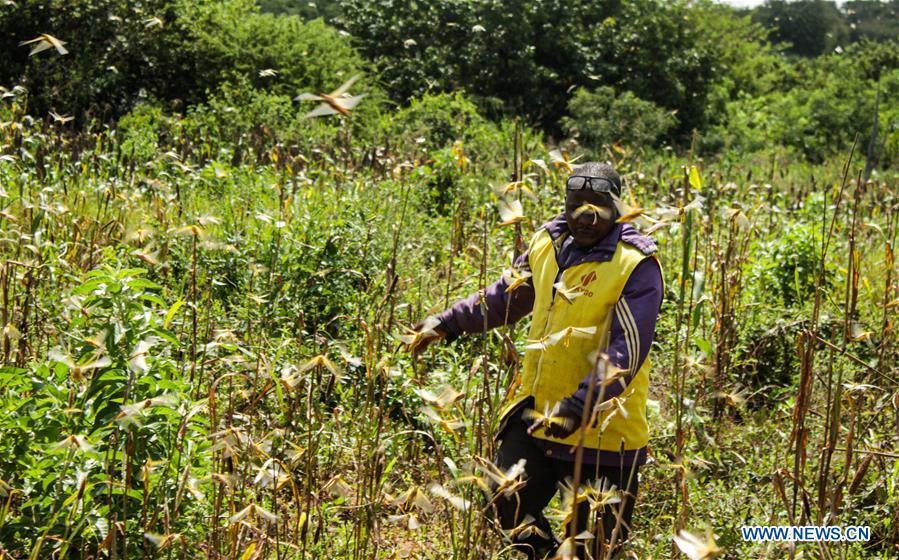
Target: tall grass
pixel 199 353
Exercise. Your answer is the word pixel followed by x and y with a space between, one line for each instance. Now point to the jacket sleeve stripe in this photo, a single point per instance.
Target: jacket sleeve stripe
pixel 630 327
pixel 628 340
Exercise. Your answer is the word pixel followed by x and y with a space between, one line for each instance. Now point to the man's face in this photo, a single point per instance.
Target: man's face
pixel 588 227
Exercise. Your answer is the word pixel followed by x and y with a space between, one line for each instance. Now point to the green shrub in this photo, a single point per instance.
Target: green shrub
pixel 245 120
pixel 604 116
pixel 747 126
pixel 108 397
pixel 820 115
pixel 174 52
pixel 234 40
pixel 435 121
pixel 140 130
pixel 439 181
pixel 786 266
pixel 236 110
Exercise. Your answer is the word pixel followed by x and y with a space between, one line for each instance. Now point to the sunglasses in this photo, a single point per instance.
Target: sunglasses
pixel 596 184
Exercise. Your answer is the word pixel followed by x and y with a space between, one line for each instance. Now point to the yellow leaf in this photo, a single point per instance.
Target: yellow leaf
pixel 248 553
pixel 695 181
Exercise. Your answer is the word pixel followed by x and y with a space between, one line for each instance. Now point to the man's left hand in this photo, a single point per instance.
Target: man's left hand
pixel 560 423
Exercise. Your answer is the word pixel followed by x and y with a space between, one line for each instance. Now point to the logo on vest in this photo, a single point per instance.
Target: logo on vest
pixel 585 280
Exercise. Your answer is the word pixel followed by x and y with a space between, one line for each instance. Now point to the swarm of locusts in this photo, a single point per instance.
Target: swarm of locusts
pixel 203 351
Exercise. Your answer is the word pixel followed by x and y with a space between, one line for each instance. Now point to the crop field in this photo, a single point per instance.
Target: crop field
pixel 206 319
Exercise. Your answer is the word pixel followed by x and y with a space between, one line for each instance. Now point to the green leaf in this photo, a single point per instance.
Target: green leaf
pixel 143 284
pixel 49 479
pixel 389 467
pixel 697 313
pixel 101 273
pixel 153 299
pixel 171 312
pixel 12 377
pixel 89 287
pixel 704 346
pixel 167 335
pixel 129 272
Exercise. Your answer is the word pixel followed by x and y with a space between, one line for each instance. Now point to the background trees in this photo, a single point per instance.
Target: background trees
pixel 172 52
pixel 810 27
pixel 526 57
pixel 796 74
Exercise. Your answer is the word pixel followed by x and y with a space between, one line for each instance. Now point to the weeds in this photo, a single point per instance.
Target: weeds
pixel 200 354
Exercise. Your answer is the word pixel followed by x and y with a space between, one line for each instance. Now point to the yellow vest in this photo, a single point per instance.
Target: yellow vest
pixel 553 372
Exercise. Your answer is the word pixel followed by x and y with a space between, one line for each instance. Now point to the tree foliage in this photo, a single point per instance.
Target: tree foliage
pixel 604 116
pixel 172 51
pixel 328 10
pixel 872 19
pixel 810 27
pixel 660 69
pixel 527 56
pixel 829 100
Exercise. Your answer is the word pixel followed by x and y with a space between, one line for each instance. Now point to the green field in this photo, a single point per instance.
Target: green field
pixel 203 292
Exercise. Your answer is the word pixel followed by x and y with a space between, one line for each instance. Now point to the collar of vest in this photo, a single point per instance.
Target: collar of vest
pixel 557 228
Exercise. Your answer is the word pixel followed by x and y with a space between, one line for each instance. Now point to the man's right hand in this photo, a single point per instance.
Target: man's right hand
pixel 423 340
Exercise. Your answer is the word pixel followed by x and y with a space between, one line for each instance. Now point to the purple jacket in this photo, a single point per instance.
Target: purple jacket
pixel 642 296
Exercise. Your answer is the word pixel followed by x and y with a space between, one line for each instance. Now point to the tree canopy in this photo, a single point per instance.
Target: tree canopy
pixel 641 72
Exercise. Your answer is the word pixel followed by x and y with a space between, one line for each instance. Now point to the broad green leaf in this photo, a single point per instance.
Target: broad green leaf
pixel 89 287
pixel 130 272
pixel 704 346
pixel 153 299
pixel 143 284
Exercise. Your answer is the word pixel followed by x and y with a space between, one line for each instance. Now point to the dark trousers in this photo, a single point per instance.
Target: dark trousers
pixel 543 475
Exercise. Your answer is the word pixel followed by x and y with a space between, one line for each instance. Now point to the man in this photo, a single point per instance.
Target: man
pixel 595 288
